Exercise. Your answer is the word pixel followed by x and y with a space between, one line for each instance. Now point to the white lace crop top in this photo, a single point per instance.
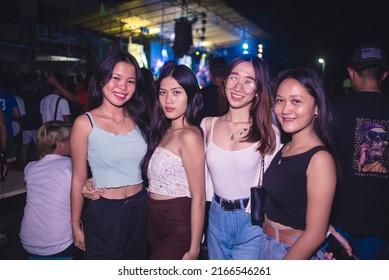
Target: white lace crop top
pixel 167 175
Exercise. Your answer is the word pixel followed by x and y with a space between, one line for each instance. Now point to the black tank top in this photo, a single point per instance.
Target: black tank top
pixel 285 182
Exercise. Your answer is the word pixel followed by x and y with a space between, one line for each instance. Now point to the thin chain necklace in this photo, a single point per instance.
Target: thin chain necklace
pixel 116 122
pixel 241 130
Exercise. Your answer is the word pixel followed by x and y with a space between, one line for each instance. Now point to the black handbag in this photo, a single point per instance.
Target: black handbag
pixel 257 196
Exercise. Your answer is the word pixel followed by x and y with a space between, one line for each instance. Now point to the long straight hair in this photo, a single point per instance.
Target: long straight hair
pixel 260 111
pixel 135 107
pixel 159 123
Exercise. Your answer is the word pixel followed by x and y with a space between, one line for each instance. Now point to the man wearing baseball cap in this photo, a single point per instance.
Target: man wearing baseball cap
pixel 361 206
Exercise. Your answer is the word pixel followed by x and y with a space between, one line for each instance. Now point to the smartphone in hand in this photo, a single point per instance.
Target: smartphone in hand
pixel 333 245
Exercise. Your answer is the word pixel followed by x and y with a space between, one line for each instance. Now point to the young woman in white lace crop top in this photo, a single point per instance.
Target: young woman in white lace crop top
pixel 175 168
pixel 235 144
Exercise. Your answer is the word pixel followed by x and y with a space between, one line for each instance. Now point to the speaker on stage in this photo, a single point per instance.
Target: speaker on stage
pixel 183 37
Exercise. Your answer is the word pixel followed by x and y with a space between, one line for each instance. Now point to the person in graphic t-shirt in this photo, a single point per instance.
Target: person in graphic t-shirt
pixel 362 199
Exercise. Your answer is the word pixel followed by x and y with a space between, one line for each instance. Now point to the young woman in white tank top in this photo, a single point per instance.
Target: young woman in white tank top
pixel 235 144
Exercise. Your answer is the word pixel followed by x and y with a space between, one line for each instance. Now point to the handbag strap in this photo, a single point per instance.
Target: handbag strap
pixel 261 171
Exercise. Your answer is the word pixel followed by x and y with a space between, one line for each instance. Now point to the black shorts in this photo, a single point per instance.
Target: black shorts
pixel 116 229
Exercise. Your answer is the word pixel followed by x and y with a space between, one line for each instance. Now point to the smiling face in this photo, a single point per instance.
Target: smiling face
pixel 121 87
pixel 173 98
pixel 295 108
pixel 240 85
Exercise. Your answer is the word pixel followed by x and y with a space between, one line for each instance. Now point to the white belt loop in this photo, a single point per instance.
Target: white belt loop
pixel 277 230
pixel 241 203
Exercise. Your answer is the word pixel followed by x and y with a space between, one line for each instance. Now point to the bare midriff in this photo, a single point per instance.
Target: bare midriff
pixel 123 192
pixel 274 224
pixel 160 196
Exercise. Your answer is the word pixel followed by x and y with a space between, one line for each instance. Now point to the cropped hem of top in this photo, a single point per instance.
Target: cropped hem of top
pixel 115 159
pixel 285 182
pixel 167 175
pixel 116 187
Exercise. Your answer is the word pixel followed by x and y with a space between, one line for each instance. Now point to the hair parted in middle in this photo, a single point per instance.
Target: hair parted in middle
pixel 260 111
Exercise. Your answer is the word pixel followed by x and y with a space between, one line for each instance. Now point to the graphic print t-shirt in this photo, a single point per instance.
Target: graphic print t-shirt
pixel 361 204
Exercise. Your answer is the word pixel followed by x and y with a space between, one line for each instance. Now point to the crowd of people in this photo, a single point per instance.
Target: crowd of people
pixel 158 169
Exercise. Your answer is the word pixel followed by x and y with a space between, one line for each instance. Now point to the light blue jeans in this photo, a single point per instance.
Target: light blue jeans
pixel 273 249
pixel 231 236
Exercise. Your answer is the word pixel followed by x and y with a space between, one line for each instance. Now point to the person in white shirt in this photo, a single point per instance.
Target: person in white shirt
pixel 45 228
pixel 53 106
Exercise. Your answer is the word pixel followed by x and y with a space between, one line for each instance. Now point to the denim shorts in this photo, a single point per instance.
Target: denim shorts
pixel 29 136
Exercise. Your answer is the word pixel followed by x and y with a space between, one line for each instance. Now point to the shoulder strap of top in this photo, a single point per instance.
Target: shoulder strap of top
pixel 56 107
pixel 89 115
pixel 212 125
pixel 318 148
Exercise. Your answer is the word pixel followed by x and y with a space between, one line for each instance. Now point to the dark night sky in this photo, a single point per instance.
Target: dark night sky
pixel 301 31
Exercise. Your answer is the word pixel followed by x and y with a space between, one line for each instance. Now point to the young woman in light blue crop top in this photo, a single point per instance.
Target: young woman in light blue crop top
pixel 111 137
pixel 234 144
pixel 175 168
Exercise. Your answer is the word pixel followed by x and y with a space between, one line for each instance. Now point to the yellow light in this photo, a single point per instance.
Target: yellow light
pixel 155 30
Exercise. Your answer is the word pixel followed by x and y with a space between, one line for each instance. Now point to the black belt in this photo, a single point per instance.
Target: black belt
pixel 230 205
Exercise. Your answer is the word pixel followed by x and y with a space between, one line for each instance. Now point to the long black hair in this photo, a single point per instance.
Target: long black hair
pixel 324 122
pixel 136 105
pixel 159 123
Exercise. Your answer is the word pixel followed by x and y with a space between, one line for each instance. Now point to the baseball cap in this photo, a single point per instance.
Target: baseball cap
pixel 368 55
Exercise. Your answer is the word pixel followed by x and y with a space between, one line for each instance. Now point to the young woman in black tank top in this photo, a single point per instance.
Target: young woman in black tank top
pixel 301 180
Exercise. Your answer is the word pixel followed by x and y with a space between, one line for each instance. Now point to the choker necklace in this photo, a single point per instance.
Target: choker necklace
pixel 241 130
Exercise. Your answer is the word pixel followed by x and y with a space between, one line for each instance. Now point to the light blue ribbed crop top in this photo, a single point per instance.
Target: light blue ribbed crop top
pixel 115 159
